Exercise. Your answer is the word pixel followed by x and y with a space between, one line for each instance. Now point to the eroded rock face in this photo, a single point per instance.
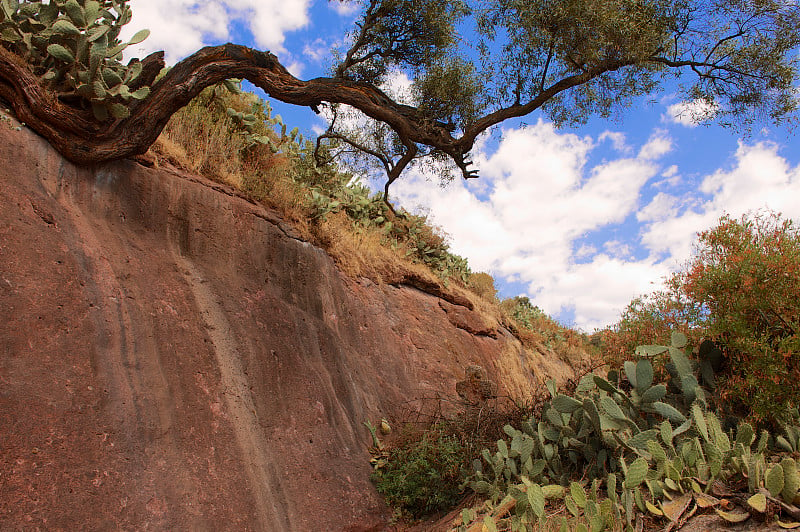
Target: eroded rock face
pixel 174 357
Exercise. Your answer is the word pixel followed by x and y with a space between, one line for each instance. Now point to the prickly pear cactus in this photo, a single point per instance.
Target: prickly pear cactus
pixel 74 48
pixel 657 449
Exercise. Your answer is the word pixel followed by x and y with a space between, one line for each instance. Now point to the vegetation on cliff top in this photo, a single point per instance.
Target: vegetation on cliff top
pixel 668 429
pixel 567 59
pixel 234 137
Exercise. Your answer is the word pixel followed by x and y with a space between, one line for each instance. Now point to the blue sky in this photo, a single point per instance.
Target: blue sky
pixel 580 220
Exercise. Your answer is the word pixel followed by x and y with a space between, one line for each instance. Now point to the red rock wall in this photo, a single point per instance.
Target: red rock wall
pixel 174 357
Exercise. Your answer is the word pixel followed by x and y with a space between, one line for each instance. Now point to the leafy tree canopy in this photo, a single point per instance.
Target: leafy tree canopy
pixel 570 60
pixel 473 65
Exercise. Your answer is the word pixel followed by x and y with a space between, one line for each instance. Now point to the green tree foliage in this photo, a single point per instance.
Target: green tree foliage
pixel 741 290
pixel 417 33
pixel 569 59
pixel 472 64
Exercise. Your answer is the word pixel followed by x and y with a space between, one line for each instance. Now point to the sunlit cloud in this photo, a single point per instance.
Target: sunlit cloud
pixel 181 27
pixel 690 114
pixel 618 140
pixel 542 210
pixel 345 8
pixel 542 198
pixel 759 178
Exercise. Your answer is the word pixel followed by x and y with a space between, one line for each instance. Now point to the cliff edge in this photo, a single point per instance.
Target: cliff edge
pixel 175 357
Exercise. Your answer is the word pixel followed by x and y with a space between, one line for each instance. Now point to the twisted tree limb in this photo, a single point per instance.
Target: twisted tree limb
pixel 83 140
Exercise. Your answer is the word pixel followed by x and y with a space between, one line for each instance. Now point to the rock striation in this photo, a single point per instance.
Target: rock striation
pixel 175 357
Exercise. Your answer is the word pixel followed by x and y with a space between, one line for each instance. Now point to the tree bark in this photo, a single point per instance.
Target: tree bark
pixel 83 140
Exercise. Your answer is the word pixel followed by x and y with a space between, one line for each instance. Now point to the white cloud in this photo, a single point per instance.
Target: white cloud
pixel 760 178
pixel 690 114
pixel 661 207
pixel 619 249
pixel 295 68
pixel 181 27
pixel 584 251
pixel 598 291
pixel 317 51
pixel 671 177
pixel 542 208
pixel 541 200
pixel 618 140
pixel 345 8
pixel 659 145
pixel 670 171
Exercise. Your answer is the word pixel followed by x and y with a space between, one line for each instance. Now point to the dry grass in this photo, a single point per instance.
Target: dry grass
pixel 360 252
pixel 201 138
pixel 482 284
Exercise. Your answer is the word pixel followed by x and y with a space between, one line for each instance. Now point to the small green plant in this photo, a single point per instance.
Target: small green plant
pixel 423 475
pixel 74 47
pixel 534 327
pixel 423 243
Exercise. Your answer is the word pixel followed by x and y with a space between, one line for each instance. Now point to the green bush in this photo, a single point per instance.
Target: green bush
pixel 423 476
pixel 742 291
pixel 745 277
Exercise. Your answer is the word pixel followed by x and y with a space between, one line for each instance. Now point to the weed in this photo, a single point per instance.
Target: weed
pixel 424 475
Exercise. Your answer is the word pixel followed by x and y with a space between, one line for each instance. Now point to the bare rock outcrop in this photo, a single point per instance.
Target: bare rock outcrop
pixel 174 357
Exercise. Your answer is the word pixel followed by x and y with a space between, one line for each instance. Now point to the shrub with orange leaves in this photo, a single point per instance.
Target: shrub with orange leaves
pixel 741 289
pixel 745 277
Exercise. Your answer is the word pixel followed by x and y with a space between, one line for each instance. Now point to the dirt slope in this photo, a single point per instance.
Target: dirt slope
pixel 173 357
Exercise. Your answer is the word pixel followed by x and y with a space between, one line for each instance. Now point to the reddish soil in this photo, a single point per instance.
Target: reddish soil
pixel 173 357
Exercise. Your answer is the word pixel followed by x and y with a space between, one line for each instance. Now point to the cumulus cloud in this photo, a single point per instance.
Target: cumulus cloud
pixel 690 114
pixel 618 140
pixel 587 238
pixel 759 178
pixel 541 198
pixel 180 27
pixel 345 8
pixel 317 51
pixel 659 145
pixel 585 250
pixel 671 171
pixel 662 207
pixel 619 249
pixel 599 290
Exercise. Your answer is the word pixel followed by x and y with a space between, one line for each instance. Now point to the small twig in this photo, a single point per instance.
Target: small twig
pixel 790 509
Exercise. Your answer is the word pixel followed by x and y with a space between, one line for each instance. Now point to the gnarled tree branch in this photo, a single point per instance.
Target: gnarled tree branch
pixel 83 140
